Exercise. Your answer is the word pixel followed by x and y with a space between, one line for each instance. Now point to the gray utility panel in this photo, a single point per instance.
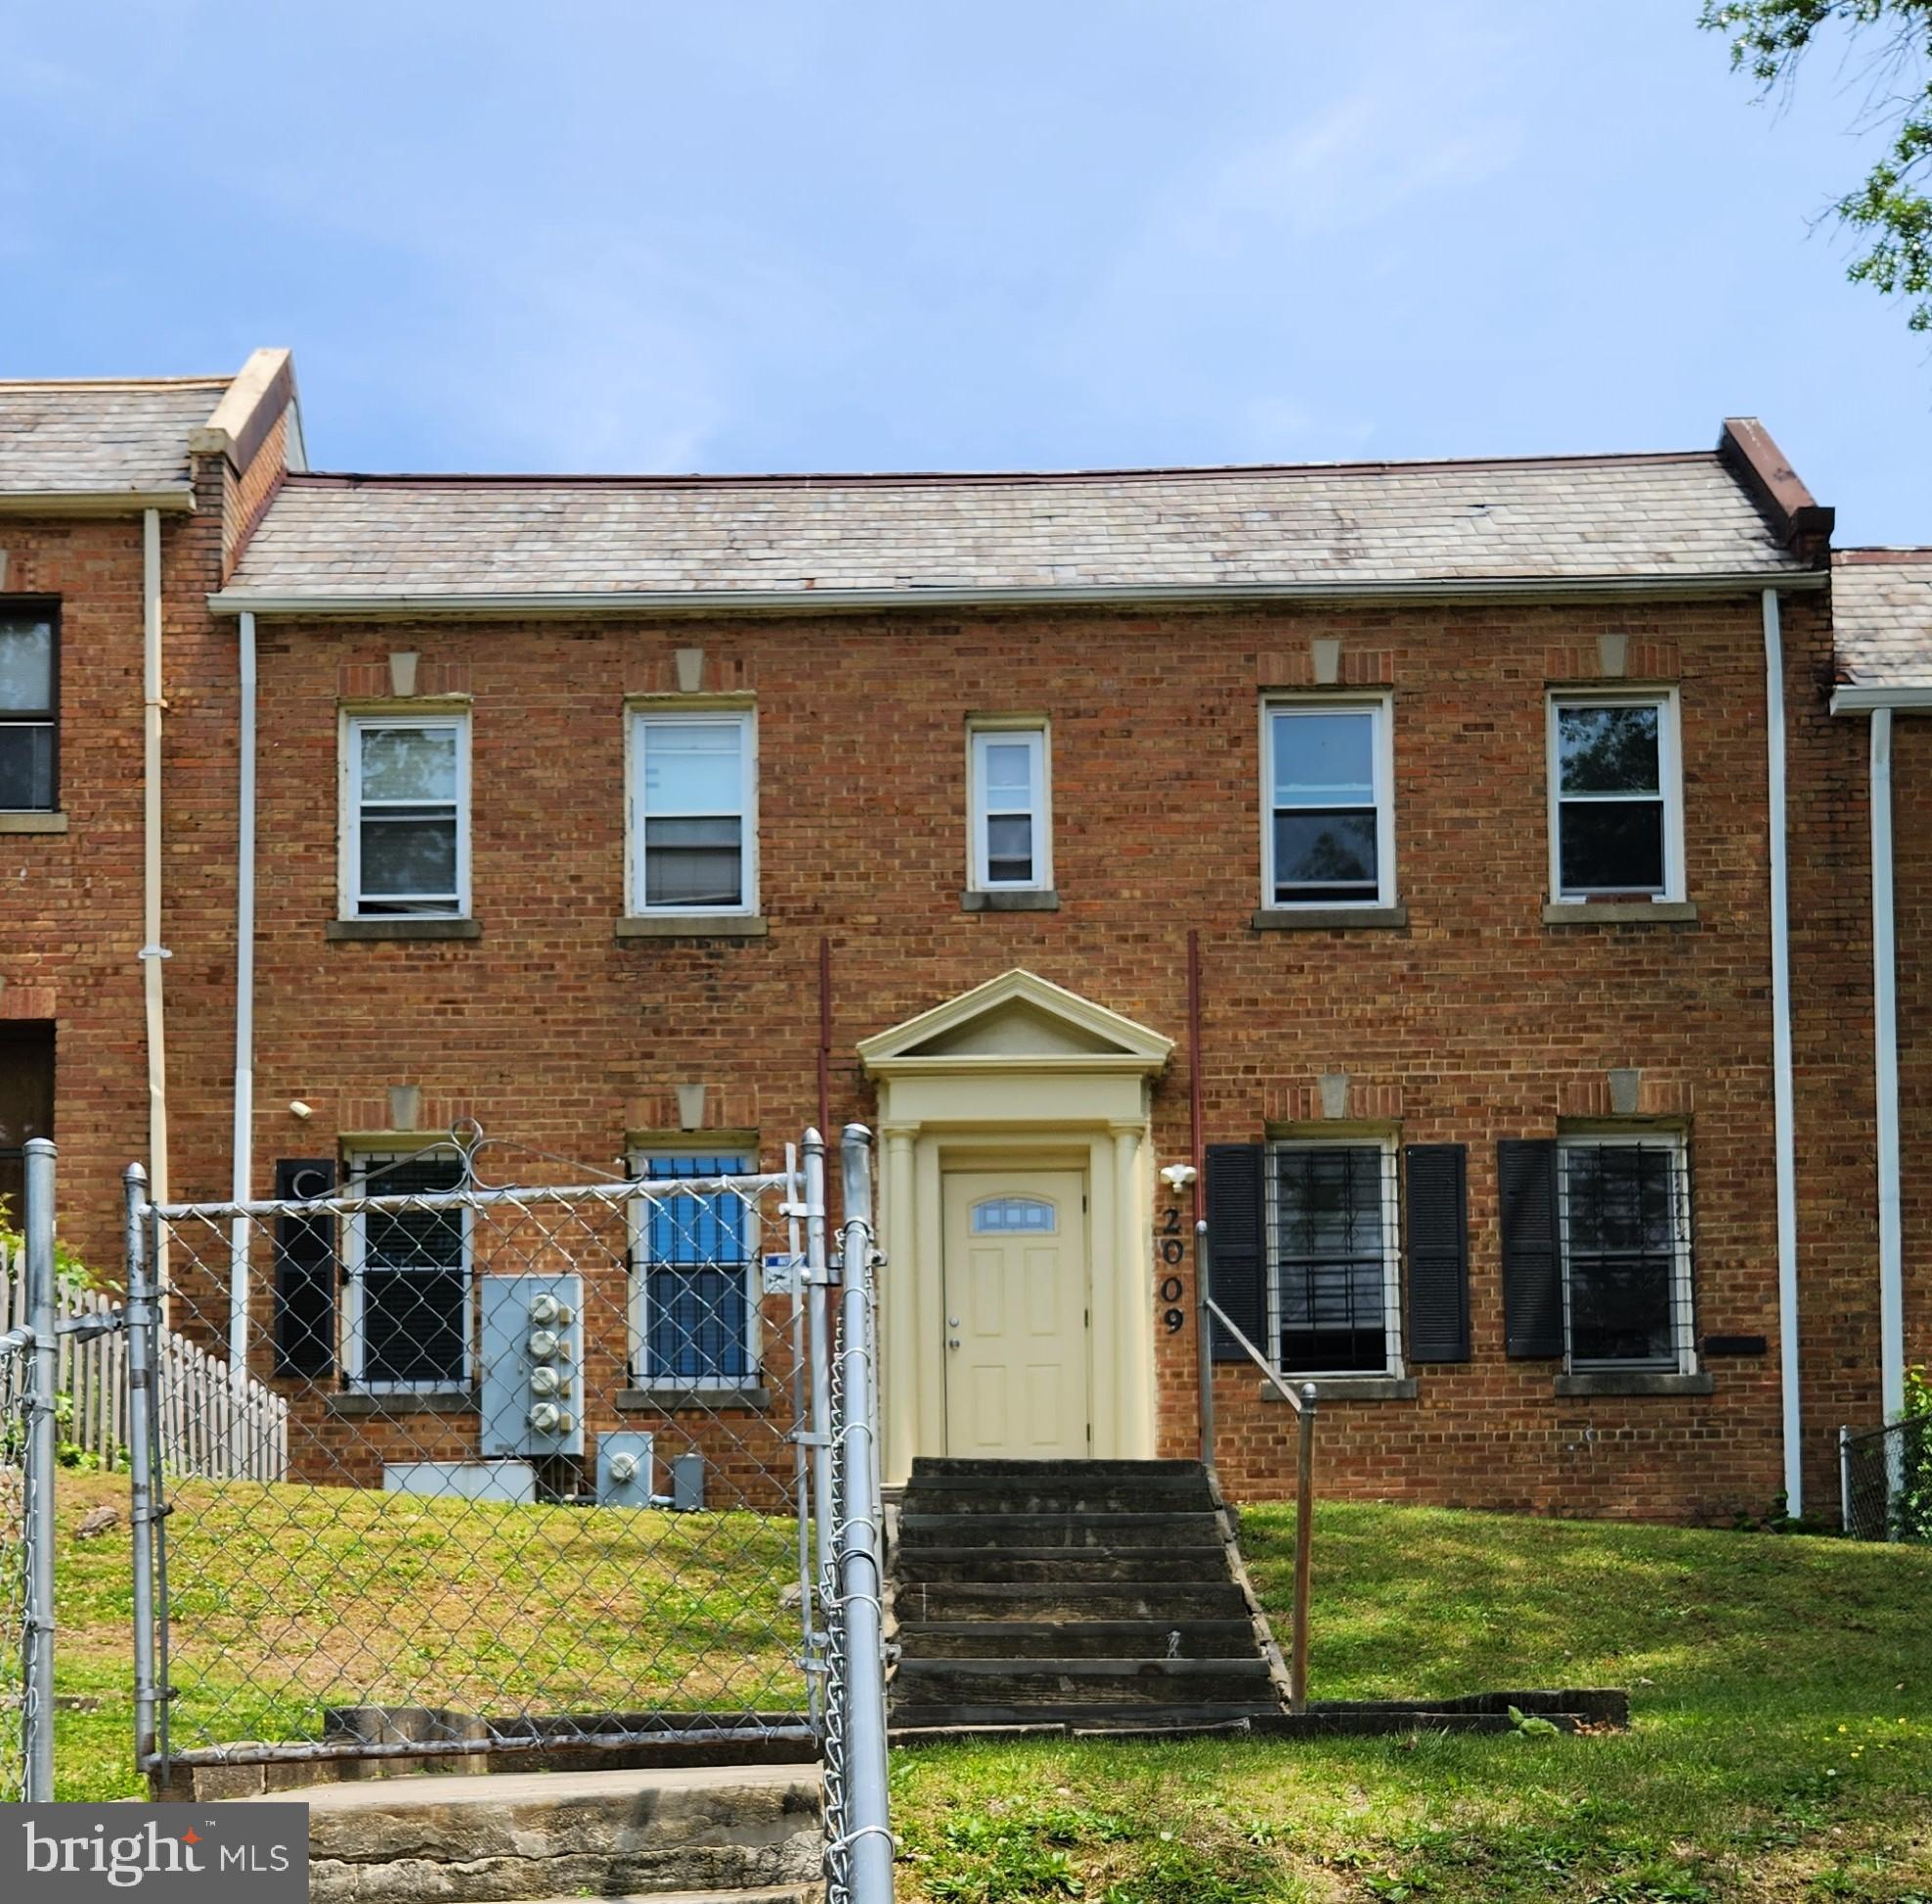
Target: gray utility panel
pixel 468 1481
pixel 624 1469
pixel 533 1365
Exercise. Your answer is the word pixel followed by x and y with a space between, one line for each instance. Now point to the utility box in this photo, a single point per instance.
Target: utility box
pixel 533 1365
pixel 463 1481
pixel 687 1483
pixel 625 1469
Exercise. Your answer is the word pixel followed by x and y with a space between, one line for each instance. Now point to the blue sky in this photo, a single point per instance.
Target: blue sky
pixel 839 234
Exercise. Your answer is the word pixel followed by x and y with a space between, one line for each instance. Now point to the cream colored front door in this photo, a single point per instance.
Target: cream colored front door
pixel 1017 1378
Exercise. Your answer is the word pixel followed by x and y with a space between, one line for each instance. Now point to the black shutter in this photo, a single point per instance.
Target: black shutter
pixel 1532 1261
pixel 305 1272
pixel 1238 1245
pixel 1438 1253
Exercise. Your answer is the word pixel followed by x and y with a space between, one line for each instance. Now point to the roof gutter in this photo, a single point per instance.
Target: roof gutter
pixel 94 502
pixel 240 601
pixel 1869 700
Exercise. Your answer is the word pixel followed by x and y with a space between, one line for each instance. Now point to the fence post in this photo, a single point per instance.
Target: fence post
pixel 1204 1343
pixel 1304 1531
pixel 819 1323
pixel 861 1575
pixel 142 1319
pixel 37 1715
pixel 1845 1479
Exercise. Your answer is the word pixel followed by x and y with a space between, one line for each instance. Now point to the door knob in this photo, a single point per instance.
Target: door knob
pixel 952 1342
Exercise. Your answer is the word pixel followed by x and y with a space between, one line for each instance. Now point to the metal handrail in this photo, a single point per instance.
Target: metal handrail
pixel 1210 1312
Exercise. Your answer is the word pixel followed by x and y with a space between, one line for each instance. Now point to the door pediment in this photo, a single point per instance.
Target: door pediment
pixel 1018 1021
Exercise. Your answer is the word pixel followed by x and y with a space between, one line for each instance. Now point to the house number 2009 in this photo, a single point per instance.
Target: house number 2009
pixel 1168 1240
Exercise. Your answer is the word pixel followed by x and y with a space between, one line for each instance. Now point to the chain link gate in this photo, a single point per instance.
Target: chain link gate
pixel 431 1465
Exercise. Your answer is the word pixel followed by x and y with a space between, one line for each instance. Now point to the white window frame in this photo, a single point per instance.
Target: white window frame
pixel 1391 1252
pixel 1380 708
pixel 981 736
pixel 355 721
pixel 1683 1312
pixel 1670 783
pixel 639 1218
pixel 355 1242
pixel 636 720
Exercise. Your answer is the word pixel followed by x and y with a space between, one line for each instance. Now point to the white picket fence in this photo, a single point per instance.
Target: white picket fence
pixel 211 1425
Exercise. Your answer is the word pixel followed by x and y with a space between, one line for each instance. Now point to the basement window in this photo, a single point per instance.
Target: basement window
pixel 407 1284
pixel 694 1299
pixel 1335 1268
pixel 27 1107
pixel 1625 1211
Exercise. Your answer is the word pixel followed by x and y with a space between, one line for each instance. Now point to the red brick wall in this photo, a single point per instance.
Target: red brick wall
pixel 1911 847
pixel 1479 1021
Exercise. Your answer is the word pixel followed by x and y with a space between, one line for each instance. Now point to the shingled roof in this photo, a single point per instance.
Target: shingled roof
pixel 102 438
pixel 375 542
pixel 1881 617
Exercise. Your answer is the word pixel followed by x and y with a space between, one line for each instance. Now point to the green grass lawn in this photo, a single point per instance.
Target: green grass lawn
pixel 1782 1688
pixel 289 1599
pixel 1781 1744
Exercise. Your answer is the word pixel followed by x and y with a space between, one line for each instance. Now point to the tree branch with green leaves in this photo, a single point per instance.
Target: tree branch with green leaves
pixel 1890 211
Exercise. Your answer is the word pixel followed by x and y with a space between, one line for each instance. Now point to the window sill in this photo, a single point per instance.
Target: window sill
pixel 1350 1387
pixel 1015 901
pixel 693 925
pixel 1613 1381
pixel 403 1401
pixel 659 1400
pixel 34 822
pixel 338 931
pixel 1316 919
pixel 1621 911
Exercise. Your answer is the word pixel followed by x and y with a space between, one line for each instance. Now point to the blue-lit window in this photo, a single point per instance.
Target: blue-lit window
pixel 1014 1216
pixel 697 1252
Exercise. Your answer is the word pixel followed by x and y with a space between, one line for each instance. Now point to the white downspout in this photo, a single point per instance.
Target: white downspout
pixel 245 1012
pixel 1780 1066
pixel 1885 1021
pixel 153 952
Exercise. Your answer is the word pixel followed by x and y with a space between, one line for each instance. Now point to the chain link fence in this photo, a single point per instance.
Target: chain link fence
pixel 460 1466
pixel 16 1397
pixel 1886 1481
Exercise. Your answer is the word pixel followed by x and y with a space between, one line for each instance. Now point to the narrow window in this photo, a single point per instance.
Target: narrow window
pixel 1335 1270
pixel 695 1304
pixel 29 685
pixel 694 832
pixel 409 825
pixel 1329 838
pixel 410 1290
pixel 1626 1240
pixel 1613 772
pixel 1009 810
pixel 27 1107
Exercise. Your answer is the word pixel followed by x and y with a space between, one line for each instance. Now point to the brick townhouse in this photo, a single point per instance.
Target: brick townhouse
pixel 1499 879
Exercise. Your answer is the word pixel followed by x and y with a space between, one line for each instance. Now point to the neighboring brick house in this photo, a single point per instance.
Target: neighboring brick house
pixel 1444 788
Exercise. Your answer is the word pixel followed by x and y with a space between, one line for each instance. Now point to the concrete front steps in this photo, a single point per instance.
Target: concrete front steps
pixel 711 1835
pixel 1103 1595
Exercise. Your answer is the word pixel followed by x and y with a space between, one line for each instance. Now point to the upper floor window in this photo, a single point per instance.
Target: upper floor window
pixel 1009 810
pixel 1616 816
pixel 29 691
pixel 694 819
pixel 1625 1205
pixel 1329 832
pixel 407 826
pixel 1335 1272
